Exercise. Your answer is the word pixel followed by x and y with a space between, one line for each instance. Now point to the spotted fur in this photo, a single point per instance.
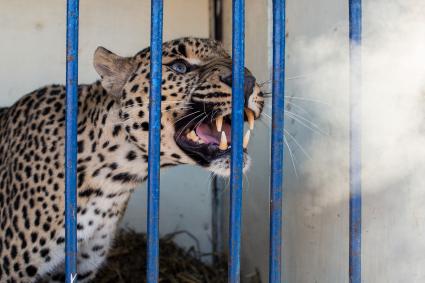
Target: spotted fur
pixel 112 153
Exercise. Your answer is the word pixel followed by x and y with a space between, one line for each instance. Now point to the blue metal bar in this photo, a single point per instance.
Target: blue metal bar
pixel 355 11
pixel 71 141
pixel 277 150
pixel 154 141
pixel 238 75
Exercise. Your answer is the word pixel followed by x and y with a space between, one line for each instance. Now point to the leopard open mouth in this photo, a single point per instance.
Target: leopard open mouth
pixel 206 138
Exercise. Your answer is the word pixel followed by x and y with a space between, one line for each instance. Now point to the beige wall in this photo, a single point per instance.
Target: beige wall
pixel 33 36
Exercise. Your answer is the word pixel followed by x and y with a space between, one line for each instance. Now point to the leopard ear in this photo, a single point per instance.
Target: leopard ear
pixel 113 69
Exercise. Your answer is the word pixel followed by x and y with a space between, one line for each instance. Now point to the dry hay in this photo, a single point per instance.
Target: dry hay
pixel 126 262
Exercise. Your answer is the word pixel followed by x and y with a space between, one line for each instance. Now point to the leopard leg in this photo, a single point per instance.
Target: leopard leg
pixel 91 256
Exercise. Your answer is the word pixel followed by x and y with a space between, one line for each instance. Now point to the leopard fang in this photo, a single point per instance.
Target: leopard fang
pixel 223 141
pixel 219 123
pixel 250 115
pixel 246 139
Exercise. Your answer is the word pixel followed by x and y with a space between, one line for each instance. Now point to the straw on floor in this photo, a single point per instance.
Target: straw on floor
pixel 126 262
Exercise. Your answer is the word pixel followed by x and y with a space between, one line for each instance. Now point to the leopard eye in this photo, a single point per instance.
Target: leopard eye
pixel 179 66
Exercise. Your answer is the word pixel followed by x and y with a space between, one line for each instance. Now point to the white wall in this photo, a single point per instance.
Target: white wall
pixel 315 233
pixel 33 54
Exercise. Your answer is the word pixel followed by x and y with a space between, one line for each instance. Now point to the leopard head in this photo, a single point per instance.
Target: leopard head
pixel 196 101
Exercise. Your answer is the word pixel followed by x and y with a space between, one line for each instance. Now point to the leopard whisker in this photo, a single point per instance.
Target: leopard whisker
pixel 296 106
pixel 185 116
pixel 197 124
pixel 291 155
pixel 297 143
pixel 269 96
pixel 297 118
pixel 301 118
pixel 287 79
pixel 188 123
pixel 302 109
pixel 212 115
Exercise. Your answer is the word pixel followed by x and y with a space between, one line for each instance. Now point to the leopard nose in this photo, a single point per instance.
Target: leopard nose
pixel 249 84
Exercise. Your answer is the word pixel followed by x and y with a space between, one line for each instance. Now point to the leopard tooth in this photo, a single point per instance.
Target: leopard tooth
pixel 219 123
pixel 193 136
pixel 223 141
pixel 246 139
pixel 250 115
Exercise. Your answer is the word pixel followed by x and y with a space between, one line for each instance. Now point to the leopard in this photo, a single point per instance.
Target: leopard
pixel 113 150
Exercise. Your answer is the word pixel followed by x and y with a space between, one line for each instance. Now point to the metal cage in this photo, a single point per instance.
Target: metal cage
pixel 277 149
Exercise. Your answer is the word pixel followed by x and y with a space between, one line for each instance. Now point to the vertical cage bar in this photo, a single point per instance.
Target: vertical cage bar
pixel 71 141
pixel 154 141
pixel 238 73
pixel 277 149
pixel 355 203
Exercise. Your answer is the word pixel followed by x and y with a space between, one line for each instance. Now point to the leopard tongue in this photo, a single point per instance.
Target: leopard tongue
pixel 210 135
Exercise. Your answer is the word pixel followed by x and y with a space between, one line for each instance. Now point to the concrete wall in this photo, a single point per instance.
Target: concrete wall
pixel 33 54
